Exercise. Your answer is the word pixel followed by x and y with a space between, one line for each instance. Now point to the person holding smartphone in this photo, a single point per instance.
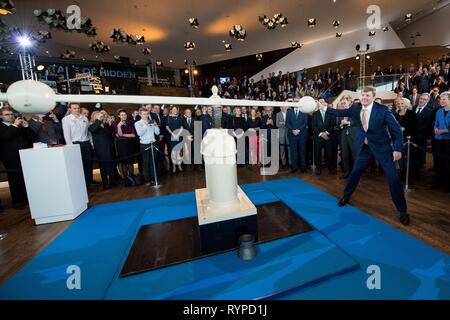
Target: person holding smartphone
pixel 146 131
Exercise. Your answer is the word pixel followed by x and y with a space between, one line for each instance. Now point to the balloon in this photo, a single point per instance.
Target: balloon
pixel 307 104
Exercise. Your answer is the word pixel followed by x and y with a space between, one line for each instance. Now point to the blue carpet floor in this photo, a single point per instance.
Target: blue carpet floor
pixel 327 263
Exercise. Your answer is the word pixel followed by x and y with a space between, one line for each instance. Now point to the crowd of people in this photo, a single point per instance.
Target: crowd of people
pixel 431 76
pixel 150 136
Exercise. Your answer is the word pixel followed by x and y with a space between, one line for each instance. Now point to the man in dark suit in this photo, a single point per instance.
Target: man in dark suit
pixel 380 137
pixel 188 124
pixel 414 97
pixel 424 118
pixel 296 123
pixel 268 123
pixel 323 125
pixel 227 119
pixel 15 134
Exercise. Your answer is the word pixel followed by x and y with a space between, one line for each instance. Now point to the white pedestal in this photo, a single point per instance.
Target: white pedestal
pixel 207 214
pixel 55 183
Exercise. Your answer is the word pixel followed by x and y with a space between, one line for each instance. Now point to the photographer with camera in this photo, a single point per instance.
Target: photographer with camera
pixel 101 128
pixel 47 128
pixel 15 134
pixel 146 130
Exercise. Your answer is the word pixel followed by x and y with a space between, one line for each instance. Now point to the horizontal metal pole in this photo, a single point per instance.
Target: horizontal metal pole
pixel 91 98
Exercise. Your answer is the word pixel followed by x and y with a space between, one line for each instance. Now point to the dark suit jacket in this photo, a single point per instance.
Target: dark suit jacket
pixel 384 135
pixel 300 122
pixel 12 140
pixel 226 121
pixel 319 125
pixel 188 127
pixel 424 120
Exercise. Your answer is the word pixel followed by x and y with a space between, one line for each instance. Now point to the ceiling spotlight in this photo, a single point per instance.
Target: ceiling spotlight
pixel 372 33
pixel 159 63
pixel 6 7
pixel 186 71
pixel 339 35
pixel 238 32
pixel 42 36
pixel 118 35
pixel 195 72
pixel 146 51
pixel 386 29
pixel 367 57
pixel 40 68
pixel 296 45
pixel 185 62
pixel 408 17
pixel 336 24
pixel 358 47
pixel 117 58
pixel 357 57
pixel 259 56
pixel 67 55
pixel 194 63
pixel 228 47
pixel 135 39
pixel 271 23
pixel 99 47
pixel 312 22
pixel 189 46
pixel 193 22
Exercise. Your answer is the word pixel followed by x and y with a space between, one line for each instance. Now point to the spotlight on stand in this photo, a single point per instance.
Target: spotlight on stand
pixel 259 56
pixel 408 17
pixel 372 33
pixel 336 24
pixel 339 35
pixel 228 46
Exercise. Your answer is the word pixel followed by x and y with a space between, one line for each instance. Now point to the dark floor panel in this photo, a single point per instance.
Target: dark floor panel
pixel 163 244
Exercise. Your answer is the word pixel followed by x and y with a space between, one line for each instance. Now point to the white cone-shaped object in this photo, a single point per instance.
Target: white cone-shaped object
pixel 219 151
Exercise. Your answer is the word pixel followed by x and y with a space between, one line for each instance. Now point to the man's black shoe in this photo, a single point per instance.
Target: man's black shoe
pixel 404 218
pixel 343 202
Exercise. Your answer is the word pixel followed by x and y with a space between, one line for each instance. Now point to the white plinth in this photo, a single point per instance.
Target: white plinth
pixel 207 214
pixel 55 183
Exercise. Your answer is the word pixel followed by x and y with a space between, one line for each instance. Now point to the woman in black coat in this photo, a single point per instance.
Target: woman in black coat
pixel 408 122
pixel 102 132
pixel 239 127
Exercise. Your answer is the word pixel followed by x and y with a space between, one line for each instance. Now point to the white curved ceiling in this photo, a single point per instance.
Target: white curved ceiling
pixel 165 25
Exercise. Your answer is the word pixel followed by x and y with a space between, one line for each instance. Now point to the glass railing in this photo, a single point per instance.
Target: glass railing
pixel 381 83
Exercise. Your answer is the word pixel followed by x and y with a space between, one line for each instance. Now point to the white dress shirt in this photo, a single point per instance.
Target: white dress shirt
pixel 368 112
pixel 75 129
pixel 146 132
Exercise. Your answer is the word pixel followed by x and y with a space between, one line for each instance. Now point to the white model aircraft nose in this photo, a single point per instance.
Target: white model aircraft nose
pixel 31 97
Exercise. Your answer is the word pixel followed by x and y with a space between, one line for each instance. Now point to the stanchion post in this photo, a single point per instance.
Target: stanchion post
pixel 313 156
pixel 408 164
pixel 157 185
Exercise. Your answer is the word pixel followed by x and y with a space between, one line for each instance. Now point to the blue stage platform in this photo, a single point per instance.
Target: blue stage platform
pixel 329 262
